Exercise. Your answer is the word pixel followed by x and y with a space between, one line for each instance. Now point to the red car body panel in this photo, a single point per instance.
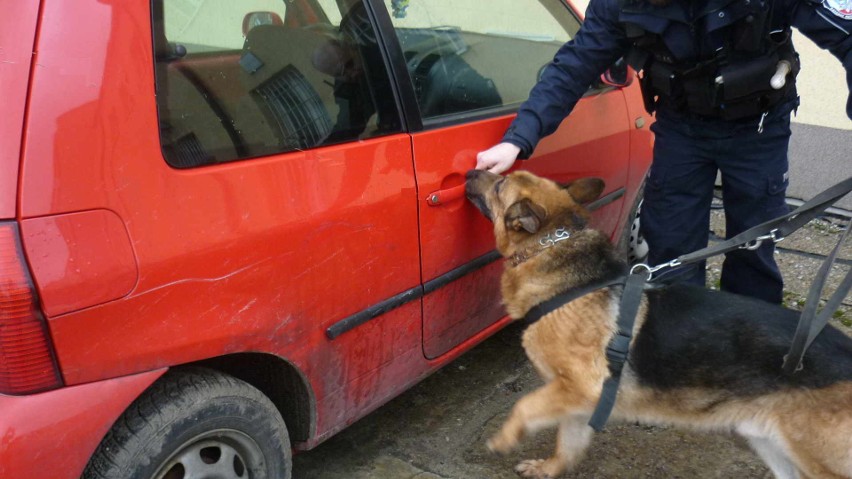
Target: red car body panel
pixel 51 435
pixel 141 267
pixel 81 259
pixel 17 34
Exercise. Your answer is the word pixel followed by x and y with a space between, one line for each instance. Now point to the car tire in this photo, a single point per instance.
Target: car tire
pixel 631 244
pixel 196 423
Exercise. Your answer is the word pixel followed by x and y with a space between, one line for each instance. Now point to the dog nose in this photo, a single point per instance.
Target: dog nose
pixel 471 174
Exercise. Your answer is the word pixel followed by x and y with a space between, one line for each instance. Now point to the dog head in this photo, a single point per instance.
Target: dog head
pixel 521 204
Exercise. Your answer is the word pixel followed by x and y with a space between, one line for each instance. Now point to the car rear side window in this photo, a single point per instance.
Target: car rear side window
pixel 467 55
pixel 253 78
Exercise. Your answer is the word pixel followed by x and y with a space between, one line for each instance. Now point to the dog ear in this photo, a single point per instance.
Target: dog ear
pixel 585 190
pixel 525 215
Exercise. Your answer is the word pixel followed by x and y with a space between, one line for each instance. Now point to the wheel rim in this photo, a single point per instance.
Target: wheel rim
pixel 218 454
pixel 637 248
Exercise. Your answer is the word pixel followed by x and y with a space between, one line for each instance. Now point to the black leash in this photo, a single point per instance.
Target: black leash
pixel 811 324
pixel 775 230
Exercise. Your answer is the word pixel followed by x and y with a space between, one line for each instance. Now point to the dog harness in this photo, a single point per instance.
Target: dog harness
pixel 810 324
pixel 619 345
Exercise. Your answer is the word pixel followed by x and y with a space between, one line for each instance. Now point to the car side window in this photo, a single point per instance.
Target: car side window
pixel 467 55
pixel 244 79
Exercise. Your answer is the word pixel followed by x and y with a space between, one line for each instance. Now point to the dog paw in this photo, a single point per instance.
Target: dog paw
pixel 499 444
pixel 532 468
pixel 539 469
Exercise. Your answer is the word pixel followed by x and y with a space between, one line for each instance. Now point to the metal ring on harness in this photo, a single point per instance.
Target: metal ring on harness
pixel 639 266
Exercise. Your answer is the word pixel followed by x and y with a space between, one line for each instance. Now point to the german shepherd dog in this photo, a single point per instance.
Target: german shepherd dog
pixel 701 359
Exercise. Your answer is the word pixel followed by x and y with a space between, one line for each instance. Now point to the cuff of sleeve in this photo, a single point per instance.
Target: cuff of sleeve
pixel 512 136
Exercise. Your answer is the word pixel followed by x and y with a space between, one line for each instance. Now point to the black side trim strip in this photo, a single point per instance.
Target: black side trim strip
pixel 372 312
pixel 361 317
pixel 605 200
pixel 462 270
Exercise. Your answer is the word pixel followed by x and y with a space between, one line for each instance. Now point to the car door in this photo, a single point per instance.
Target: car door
pixel 469 66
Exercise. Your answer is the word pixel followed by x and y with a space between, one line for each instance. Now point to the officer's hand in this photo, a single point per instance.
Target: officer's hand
pixel 498 158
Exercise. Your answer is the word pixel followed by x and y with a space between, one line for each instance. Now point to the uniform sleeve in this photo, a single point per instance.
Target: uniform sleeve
pixel 597 45
pixel 829 25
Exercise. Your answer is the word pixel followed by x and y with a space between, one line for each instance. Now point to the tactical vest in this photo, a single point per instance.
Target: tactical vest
pixel 712 59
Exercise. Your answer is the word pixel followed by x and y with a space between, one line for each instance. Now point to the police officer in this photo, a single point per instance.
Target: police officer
pixel 720 75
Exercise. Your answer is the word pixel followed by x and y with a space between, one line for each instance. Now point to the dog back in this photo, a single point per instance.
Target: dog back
pixel 697 338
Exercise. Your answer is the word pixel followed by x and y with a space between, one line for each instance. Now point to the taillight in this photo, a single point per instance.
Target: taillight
pixel 26 356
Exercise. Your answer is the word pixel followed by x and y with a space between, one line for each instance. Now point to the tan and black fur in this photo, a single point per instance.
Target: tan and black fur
pixel 701 359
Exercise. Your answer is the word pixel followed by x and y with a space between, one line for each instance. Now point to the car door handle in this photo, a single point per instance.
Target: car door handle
pixel 437 198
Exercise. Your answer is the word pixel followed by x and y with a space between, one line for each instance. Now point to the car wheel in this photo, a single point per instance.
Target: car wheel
pixel 196 423
pixel 632 244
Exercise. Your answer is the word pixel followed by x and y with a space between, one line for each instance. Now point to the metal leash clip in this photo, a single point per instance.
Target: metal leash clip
pixel 757 242
pixel 671 264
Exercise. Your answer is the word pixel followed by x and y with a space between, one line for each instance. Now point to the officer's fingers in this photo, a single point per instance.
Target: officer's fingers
pixel 500 166
pixel 483 160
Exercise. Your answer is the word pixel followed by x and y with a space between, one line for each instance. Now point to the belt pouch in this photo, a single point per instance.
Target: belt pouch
pixel 742 79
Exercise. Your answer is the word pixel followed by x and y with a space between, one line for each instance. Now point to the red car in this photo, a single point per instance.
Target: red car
pixel 230 229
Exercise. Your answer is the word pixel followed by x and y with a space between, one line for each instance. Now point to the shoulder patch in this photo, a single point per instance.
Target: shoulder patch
pixel 840 8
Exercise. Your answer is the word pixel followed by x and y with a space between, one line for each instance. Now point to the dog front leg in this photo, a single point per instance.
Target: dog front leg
pixel 572 440
pixel 536 410
pixel 544 407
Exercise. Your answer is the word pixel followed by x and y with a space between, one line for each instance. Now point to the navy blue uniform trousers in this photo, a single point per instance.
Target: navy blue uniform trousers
pixel 675 216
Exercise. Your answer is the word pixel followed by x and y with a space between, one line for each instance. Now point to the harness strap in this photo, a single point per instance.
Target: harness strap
pixel 811 324
pixel 618 347
pixel 542 309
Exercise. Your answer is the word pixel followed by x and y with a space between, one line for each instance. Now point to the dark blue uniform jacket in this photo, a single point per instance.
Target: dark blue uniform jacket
pixel 601 41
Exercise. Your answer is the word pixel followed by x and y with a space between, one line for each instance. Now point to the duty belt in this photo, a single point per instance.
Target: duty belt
pixel 729 87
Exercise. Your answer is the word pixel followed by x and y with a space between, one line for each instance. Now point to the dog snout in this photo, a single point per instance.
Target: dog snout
pixel 474 188
pixel 471 178
pixel 478 181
